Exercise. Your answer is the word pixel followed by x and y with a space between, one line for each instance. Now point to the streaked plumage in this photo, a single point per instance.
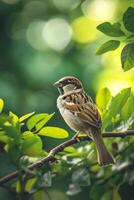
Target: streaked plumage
pixel 81 114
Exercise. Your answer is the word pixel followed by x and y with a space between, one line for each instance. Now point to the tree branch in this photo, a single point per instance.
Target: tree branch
pixel 59 148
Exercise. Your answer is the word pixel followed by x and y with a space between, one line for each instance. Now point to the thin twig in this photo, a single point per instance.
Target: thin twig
pixel 59 148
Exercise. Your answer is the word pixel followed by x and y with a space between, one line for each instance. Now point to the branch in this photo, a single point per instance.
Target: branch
pixel 59 148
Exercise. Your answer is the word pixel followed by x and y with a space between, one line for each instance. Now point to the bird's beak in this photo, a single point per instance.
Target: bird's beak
pixel 56 84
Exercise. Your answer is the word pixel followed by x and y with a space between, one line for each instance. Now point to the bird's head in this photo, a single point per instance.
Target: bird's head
pixel 68 84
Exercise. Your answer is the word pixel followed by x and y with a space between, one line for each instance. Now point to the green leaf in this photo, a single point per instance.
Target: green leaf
pixel 103 98
pixel 127 57
pixel 109 29
pixel 53 132
pixel 128 109
pixel 11 130
pixel 108 46
pixel 4 138
pixel 112 195
pixel 1 105
pixel 128 19
pixel 115 107
pixel 40 195
pixel 116 195
pixel 30 184
pixel 44 121
pixel 119 101
pixel 70 149
pixel 14 118
pixel 130 38
pixel 31 144
pixel 18 187
pixel 36 121
pixel 13 149
pixel 24 117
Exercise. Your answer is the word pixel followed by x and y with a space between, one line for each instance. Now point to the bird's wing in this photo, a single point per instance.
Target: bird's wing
pixel 82 106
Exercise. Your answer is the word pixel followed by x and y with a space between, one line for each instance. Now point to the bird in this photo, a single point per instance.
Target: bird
pixel 81 114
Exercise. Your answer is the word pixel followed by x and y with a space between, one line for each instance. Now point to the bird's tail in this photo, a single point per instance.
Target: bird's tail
pixel 104 157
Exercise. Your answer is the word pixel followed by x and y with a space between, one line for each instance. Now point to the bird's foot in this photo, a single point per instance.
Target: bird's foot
pixel 76 137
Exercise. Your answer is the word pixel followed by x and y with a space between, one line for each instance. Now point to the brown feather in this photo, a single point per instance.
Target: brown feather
pixel 83 107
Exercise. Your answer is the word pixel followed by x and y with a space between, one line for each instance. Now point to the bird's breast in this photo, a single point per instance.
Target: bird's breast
pixel 72 120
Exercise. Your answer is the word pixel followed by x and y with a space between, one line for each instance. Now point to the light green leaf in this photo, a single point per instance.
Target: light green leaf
pixel 40 124
pixel 128 109
pixel 128 19
pixel 14 117
pixel 1 105
pixel 24 117
pixel 115 107
pixel 36 120
pixel 29 184
pixel 116 195
pixel 103 98
pixel 4 138
pixel 70 149
pixel 18 187
pixel 127 57
pixel 31 144
pixel 109 29
pixel 53 132
pixel 119 101
pixel 108 46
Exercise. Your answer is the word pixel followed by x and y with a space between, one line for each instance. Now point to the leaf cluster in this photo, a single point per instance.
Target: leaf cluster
pixel 124 32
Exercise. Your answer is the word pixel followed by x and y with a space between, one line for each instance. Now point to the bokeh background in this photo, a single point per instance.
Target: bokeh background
pixel 42 41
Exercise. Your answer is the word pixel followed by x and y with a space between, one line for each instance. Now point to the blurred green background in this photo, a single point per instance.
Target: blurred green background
pixel 42 41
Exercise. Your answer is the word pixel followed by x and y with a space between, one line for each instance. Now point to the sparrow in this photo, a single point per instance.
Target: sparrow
pixel 81 114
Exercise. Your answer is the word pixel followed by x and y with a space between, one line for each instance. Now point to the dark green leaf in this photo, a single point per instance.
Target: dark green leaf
pixel 40 195
pixel 128 19
pixel 108 46
pixel 130 38
pixel 109 29
pixel 11 130
pixel 14 150
pixel 81 176
pixel 127 57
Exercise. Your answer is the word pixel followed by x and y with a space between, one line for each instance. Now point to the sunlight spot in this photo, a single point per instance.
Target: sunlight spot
pixel 34 35
pixel 99 9
pixel 57 34
pixel 84 30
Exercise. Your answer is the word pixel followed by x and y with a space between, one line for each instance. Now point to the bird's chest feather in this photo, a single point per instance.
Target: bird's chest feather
pixel 73 121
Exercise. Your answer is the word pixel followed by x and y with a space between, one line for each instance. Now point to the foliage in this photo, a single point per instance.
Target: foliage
pixel 21 140
pixel 124 34
pixel 42 41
